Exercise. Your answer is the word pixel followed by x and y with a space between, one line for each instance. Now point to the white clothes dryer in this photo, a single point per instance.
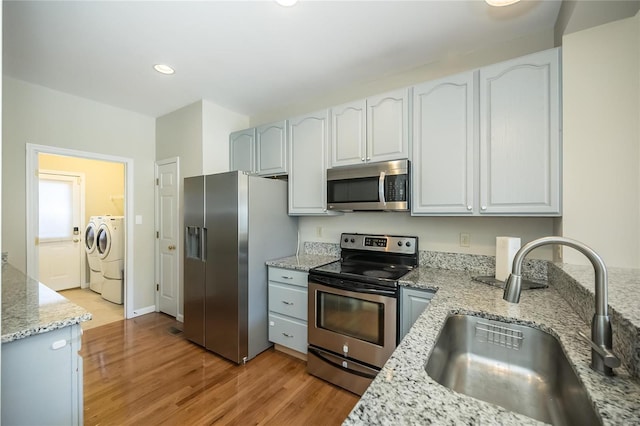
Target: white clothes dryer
pixel 110 248
pixel 91 249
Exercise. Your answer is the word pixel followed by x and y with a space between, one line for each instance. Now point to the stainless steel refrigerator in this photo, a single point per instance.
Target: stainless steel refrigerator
pixel 233 224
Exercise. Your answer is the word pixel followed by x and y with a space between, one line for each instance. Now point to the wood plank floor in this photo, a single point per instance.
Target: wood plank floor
pixel 142 371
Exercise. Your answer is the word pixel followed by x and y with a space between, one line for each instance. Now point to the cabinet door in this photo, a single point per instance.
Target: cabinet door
pixel 520 136
pixel 443 146
pixel 271 149
pixel 348 133
pixel 308 169
pixel 388 126
pixel 42 379
pixel 242 145
pixel 412 303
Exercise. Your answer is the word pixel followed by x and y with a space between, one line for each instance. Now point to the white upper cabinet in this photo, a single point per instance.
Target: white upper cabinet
pixel 374 129
pixel 308 139
pixel 487 142
pixel 271 149
pixel 443 145
pixel 520 136
pixel 388 126
pixel 261 150
pixel 242 145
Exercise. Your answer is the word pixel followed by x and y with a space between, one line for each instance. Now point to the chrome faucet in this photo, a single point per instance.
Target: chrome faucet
pixel 602 357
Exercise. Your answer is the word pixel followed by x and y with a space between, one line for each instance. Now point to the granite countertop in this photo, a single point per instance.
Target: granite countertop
pixel 302 262
pixel 29 307
pixel 403 393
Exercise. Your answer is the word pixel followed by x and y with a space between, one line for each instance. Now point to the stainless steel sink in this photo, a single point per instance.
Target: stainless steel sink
pixel 518 367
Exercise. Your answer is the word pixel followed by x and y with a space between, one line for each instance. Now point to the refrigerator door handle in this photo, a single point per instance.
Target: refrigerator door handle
pixel 203 241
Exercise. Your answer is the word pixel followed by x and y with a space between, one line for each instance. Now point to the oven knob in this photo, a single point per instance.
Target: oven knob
pixel 408 244
pixel 353 240
pixel 346 240
pixel 399 243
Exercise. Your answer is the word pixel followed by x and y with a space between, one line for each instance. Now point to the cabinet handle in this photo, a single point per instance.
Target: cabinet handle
pixel 287 303
pixel 469 208
pixel 362 159
pixel 368 158
pixel 483 207
pixel 287 335
pixel 287 278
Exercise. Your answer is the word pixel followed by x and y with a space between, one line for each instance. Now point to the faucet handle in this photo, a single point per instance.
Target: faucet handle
pixel 609 358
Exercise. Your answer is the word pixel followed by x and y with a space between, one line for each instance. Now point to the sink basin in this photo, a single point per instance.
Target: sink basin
pixel 518 367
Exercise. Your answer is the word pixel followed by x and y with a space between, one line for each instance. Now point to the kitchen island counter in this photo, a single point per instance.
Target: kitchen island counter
pixel 30 308
pixel 403 393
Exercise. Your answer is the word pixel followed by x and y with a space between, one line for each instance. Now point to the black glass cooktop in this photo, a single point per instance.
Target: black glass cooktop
pixel 363 270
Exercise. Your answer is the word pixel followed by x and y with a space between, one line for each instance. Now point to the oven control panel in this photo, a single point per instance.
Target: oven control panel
pixel 383 243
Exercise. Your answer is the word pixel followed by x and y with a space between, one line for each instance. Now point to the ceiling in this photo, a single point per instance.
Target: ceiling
pixel 246 56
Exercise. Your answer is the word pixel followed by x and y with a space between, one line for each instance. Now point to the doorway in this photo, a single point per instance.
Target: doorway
pixel 107 182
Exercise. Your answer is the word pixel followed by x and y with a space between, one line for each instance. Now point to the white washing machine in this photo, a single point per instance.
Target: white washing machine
pixel 91 248
pixel 110 248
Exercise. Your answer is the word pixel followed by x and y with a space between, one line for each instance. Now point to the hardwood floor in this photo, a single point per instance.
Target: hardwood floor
pixel 142 371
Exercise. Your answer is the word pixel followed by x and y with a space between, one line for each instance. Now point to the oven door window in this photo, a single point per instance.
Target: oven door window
pixel 361 319
pixel 353 190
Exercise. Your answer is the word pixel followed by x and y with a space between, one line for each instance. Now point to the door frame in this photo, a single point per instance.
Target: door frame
pixel 179 237
pixel 32 210
pixel 83 258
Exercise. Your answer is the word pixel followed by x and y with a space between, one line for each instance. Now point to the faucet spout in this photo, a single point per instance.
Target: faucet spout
pixel 601 333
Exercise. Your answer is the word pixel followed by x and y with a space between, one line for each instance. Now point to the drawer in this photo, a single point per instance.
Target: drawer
pixel 288 276
pixel 288 332
pixel 288 300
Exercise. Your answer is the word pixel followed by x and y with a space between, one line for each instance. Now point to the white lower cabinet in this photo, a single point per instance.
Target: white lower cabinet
pixel 42 379
pixel 288 308
pixel 413 302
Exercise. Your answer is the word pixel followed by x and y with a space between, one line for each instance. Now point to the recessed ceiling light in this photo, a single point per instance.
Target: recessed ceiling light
pixel 500 3
pixel 163 69
pixel 286 3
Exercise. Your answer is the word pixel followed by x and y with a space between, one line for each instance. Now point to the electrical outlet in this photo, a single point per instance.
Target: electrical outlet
pixel 465 239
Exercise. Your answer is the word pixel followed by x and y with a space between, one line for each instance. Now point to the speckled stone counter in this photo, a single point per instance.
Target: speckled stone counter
pixel 302 262
pixel 403 393
pixel 29 307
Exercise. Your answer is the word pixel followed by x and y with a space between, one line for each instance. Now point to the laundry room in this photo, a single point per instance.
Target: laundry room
pixel 87 268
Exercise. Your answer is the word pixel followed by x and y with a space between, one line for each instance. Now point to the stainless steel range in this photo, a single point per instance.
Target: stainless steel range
pixel 353 308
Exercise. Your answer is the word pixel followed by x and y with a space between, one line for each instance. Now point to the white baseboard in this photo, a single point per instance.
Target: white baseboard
pixel 143 311
pixel 180 318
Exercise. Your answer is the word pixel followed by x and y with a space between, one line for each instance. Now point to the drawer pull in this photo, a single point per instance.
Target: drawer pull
pixel 287 303
pixel 287 278
pixel 288 335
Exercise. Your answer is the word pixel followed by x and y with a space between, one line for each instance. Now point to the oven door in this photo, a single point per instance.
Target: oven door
pixel 359 323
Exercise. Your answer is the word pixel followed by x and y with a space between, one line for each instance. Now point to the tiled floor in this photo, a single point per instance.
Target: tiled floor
pixel 103 311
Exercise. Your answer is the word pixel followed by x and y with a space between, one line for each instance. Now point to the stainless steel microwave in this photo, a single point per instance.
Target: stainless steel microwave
pixel 380 186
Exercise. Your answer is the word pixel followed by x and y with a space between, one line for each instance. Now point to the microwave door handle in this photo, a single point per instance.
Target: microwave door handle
pixel 381 189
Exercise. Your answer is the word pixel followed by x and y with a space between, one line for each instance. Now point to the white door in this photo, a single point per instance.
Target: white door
pixel 60 246
pixel 167 229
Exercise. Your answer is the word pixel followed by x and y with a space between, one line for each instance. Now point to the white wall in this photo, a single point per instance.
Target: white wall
pixel 37 115
pixel 179 134
pixel 601 73
pixel 435 233
pixel 217 123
